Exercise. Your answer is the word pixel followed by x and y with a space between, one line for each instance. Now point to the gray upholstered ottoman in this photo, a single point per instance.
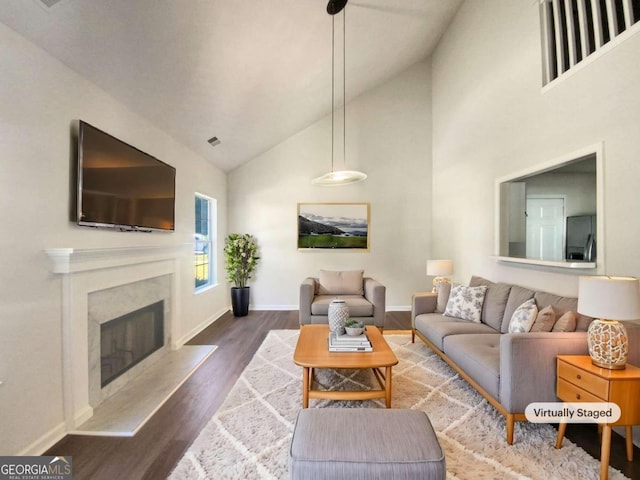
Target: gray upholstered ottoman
pixel 365 443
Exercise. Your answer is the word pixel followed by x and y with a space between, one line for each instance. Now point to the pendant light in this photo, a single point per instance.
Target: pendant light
pixel 338 177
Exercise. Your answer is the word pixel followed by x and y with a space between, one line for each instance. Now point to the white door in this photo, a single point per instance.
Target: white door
pixel 545 228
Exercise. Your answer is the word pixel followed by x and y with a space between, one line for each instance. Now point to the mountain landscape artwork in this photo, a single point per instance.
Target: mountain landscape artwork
pixel 333 226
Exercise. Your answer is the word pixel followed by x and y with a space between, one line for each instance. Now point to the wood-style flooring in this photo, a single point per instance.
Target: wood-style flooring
pixel 159 445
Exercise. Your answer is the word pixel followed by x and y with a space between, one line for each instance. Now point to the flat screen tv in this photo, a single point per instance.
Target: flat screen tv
pixel 120 186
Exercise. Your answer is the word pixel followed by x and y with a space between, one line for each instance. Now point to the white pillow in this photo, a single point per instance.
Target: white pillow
pixel 466 302
pixel 524 316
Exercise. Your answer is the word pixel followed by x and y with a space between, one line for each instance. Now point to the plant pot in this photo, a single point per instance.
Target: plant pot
pixel 240 301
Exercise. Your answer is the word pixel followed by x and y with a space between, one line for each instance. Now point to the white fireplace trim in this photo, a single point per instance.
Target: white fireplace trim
pixel 88 270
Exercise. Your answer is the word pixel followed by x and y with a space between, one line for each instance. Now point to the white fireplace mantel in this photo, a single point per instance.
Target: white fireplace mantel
pixel 73 260
pixel 88 270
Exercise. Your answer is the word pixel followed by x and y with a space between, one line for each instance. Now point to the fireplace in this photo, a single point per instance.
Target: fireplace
pixel 127 340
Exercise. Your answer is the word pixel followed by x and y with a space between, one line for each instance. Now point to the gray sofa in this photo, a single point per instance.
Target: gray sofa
pixel 365 297
pixel 510 370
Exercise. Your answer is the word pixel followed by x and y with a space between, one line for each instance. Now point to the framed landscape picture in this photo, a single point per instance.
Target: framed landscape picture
pixel 335 226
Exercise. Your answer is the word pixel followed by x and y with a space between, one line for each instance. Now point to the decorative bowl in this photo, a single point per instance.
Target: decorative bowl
pixel 353 331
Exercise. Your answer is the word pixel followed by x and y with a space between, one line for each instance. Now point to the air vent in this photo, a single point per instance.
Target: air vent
pixel 213 141
pixel 49 3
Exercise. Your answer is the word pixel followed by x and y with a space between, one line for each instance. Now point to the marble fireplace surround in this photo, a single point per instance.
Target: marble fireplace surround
pixel 86 271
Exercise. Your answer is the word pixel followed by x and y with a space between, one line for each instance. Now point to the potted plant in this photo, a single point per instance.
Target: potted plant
pixel 240 252
pixel 353 327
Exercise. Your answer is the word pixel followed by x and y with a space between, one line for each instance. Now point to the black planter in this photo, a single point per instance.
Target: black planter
pixel 240 301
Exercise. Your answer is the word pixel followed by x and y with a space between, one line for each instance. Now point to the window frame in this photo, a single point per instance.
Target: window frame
pixel 206 243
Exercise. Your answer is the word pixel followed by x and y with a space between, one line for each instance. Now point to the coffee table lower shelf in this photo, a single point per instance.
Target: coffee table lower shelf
pixel 384 380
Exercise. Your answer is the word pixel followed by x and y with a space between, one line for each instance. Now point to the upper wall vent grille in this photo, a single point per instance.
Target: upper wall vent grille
pixel 572 30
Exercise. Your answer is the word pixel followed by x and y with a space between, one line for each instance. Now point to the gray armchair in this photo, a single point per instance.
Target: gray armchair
pixel 364 296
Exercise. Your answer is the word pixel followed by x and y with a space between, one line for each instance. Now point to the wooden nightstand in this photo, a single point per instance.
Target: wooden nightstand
pixel 581 381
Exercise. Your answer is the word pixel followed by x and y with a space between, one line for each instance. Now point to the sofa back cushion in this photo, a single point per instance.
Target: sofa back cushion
pixel 341 282
pixel 562 305
pixel 495 301
pixel 443 297
pixel 517 296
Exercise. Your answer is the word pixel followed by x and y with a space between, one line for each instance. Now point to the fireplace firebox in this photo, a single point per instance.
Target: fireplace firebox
pixel 127 340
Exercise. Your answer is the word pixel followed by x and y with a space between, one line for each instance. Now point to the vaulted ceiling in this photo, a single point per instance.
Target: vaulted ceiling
pixel 251 72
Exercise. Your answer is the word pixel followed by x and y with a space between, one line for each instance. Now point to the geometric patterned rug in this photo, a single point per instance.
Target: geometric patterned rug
pixel 249 436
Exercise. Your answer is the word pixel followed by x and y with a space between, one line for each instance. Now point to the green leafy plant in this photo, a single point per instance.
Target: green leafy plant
pixel 240 253
pixel 353 323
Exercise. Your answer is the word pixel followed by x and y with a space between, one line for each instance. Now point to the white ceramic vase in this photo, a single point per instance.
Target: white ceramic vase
pixel 338 314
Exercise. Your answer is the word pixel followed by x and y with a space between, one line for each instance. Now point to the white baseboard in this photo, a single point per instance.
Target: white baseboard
pixel 198 328
pixel 391 308
pixel 273 307
pixel 45 442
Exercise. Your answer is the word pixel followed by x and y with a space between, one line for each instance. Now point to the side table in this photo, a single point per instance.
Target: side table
pixel 581 381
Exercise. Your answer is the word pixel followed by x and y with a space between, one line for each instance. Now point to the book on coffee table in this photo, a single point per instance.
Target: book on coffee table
pixel 345 343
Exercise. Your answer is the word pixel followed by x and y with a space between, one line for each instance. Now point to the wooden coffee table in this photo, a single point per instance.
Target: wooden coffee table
pixel 312 352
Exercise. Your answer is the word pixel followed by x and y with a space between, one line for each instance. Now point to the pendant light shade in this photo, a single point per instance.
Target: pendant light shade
pixel 338 177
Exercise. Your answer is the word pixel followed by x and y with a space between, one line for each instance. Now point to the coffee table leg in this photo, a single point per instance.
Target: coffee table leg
pixel 387 386
pixel 305 387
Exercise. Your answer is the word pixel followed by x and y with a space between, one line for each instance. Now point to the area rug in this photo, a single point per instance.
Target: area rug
pixel 249 436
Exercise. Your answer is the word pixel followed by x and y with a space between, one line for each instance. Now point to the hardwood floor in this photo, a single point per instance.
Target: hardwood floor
pixel 155 450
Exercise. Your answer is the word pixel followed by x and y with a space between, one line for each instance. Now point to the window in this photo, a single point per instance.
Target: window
pixel 204 247
pixel 574 29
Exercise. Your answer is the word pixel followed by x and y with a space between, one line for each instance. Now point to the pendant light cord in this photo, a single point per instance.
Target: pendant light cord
pixel 344 88
pixel 333 61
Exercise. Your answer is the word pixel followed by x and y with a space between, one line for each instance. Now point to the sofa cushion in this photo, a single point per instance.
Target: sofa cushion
pixel 479 357
pixel 358 305
pixel 435 327
pixel 524 316
pixel 341 282
pixel 495 302
pixel 566 323
pixel 466 303
pixel 545 320
pixel 563 305
pixel 444 290
pixel 517 296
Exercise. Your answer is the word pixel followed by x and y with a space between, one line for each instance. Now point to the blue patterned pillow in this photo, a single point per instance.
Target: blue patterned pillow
pixel 524 316
pixel 466 303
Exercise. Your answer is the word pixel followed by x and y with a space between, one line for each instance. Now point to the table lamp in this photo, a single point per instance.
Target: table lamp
pixel 440 269
pixel 607 300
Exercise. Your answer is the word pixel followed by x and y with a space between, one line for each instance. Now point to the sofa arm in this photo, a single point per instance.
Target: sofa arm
pixel 423 302
pixel 376 294
pixel 528 365
pixel 307 292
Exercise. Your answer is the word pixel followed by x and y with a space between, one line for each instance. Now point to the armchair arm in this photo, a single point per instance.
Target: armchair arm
pixel 307 292
pixel 375 293
pixel 528 365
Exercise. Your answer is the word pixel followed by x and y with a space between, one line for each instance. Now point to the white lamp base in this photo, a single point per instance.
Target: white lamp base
pixel 608 344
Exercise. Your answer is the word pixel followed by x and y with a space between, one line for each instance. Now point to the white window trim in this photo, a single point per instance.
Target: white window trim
pixel 213 247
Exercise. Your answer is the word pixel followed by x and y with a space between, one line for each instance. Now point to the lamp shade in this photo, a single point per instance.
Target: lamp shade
pixel 439 267
pixel 611 298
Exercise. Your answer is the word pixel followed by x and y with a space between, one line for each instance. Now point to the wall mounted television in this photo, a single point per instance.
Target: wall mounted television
pixel 122 187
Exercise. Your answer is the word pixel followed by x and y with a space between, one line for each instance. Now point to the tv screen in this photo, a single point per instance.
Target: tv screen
pixel 119 186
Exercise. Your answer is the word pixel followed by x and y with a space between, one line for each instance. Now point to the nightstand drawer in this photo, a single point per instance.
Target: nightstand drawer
pixel 568 392
pixel 584 380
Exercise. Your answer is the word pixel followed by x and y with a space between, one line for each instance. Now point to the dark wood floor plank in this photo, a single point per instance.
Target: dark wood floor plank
pixel 156 449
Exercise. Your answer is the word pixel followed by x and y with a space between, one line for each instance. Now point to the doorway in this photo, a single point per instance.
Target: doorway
pixel 545 227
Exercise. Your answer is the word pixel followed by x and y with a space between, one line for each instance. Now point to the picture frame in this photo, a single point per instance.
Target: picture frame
pixel 334 226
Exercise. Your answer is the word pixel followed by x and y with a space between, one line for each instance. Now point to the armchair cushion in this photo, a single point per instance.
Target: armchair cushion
pixel 341 282
pixel 358 306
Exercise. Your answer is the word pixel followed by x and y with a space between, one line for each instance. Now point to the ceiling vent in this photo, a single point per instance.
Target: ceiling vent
pixel 213 141
pixel 49 3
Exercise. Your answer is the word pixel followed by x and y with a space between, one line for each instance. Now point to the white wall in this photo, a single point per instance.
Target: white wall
pixel 41 99
pixel 491 119
pixel 389 138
